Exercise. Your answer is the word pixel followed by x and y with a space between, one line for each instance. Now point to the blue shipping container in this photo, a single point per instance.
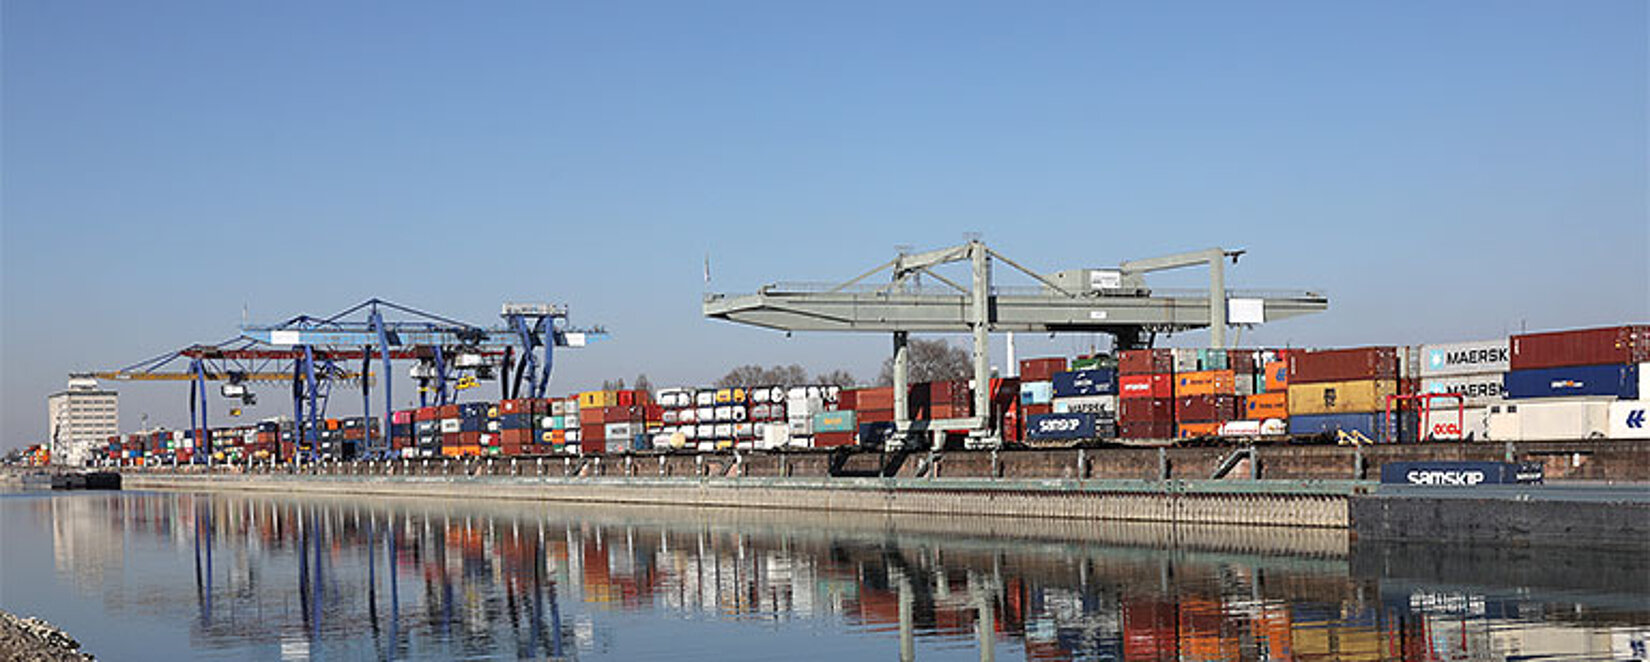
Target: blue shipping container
pixel 1372 426
pixel 1460 474
pixel 1617 381
pixel 1076 383
pixel 875 434
pixel 516 421
pixel 1061 426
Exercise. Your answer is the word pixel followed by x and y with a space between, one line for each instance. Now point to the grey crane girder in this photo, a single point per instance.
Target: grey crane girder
pixel 979 308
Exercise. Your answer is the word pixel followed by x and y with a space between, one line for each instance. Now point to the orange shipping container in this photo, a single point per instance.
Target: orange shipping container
pixel 1261 406
pixel 1208 382
pixel 1194 430
pixel 1277 376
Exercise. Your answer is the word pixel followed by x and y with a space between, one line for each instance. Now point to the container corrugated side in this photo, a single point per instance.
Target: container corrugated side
pixel 1372 426
pixel 1465 358
pixel 1340 365
pixel 1478 390
pixel 1609 345
pixel 1612 381
pixel 1364 395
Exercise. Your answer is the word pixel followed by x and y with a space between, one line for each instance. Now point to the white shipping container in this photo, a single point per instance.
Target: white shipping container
pixel 744 430
pixel 1465 358
pixel 1470 423
pixel 1185 360
pixel 1104 405
pixel 704 431
pixel 775 436
pixel 619 431
pixel 802 426
pixel 704 398
pixel 1541 421
pixel 572 436
pixel 704 414
pixel 1630 419
pixel 451 425
pixel 1479 389
pixel 722 431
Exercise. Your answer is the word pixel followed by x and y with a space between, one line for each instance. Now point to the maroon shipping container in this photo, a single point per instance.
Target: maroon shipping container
pixel 1145 410
pixel 1205 408
pixel 832 439
pixel 1343 365
pixel 1041 370
pixel 448 411
pixel 1242 361
pixel 1617 345
pixel 427 414
pixel 1145 362
pixel 593 437
pixel 516 437
pixel 1146 429
pixel 451 440
pixel 1035 410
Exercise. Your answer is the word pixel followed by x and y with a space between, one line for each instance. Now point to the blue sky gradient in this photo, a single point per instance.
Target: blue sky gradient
pixel 1445 171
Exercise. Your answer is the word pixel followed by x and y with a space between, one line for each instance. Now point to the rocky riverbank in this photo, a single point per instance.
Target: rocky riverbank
pixel 32 639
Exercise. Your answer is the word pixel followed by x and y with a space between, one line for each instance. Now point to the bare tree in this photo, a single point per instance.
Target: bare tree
pixel 838 377
pixel 613 384
pixel 643 384
pixel 931 361
pixel 747 376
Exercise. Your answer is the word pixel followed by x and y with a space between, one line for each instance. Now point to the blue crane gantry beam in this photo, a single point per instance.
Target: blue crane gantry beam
pixel 443 345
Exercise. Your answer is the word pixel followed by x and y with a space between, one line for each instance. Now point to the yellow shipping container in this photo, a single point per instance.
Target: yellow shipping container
pixel 1207 382
pixel 724 396
pixel 596 399
pixel 1361 396
pixel 1261 406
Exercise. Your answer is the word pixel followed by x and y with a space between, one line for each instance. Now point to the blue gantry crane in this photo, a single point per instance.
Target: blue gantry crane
pixel 450 354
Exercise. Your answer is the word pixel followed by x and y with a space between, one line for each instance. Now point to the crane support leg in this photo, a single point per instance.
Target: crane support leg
pixel 981 320
pixel 902 387
pixel 1217 300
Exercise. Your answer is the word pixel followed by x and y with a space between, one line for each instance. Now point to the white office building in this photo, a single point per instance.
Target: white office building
pixel 80 421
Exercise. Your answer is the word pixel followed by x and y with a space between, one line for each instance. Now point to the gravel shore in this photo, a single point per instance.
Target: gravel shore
pixel 34 639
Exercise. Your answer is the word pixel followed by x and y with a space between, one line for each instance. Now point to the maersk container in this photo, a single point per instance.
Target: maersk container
pixel 1061 426
pixel 1103 406
pixel 1478 390
pixel 835 421
pixel 1079 383
pixel 1370 426
pixel 1465 358
pixel 1614 381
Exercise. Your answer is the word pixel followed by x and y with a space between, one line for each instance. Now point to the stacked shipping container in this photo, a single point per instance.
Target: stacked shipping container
pixel 1573 384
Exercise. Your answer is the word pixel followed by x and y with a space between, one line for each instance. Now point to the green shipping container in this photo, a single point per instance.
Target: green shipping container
pixel 835 421
pixel 1211 359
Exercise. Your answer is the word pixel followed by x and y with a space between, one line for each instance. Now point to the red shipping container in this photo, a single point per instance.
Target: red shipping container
pixel 847 400
pixel 1145 362
pixel 1205 408
pixel 427 414
pixel 1343 365
pixel 511 407
pixel 653 413
pixel 832 439
pixel 874 415
pixel 873 398
pixel 448 411
pixel 1146 429
pixel 593 437
pixel 1241 361
pixel 516 437
pixel 451 440
pixel 1035 410
pixel 469 438
pixel 1145 410
pixel 592 415
pixel 1041 370
pixel 1617 345
pixel 1146 386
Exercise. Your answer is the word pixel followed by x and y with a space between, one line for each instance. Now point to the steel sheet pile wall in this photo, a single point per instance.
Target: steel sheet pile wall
pixel 1574 384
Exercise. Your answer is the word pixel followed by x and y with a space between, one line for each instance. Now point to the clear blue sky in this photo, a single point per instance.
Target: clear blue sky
pixel 1445 171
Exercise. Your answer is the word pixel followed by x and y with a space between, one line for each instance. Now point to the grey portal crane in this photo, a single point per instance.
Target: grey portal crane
pixel 1111 301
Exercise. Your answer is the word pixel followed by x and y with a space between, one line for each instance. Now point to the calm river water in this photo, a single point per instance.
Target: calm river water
pixel 168 576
